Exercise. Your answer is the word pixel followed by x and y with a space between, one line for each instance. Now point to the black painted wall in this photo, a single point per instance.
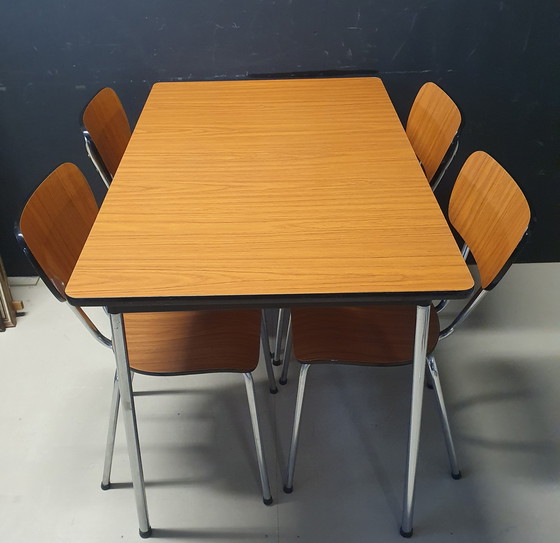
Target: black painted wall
pixel 497 59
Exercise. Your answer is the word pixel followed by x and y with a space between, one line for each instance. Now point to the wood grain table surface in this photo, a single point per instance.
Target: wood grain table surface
pixel 268 193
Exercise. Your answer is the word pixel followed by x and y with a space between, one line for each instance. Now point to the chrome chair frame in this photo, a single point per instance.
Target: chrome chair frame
pixel 124 379
pixel 430 368
pixel 116 402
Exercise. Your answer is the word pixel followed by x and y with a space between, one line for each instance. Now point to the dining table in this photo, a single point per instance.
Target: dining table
pixel 267 194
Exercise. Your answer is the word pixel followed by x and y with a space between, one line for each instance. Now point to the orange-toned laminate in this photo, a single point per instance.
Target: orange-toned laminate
pixel 56 221
pixel 289 187
pixel 490 213
pixel 107 124
pixel 433 121
pixel 193 341
pixel 377 335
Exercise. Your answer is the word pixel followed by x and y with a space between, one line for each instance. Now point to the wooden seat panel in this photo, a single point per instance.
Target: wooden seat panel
pixel 181 342
pixel 375 335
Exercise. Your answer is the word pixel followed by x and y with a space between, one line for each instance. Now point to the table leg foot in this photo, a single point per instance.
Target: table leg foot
pixel 406 534
pixel 146 534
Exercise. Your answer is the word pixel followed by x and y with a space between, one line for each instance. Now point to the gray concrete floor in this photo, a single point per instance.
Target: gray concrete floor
pixel 501 376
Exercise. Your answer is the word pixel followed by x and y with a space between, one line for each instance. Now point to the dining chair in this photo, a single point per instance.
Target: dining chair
pixel 491 214
pixel 52 230
pixel 432 128
pixel 106 132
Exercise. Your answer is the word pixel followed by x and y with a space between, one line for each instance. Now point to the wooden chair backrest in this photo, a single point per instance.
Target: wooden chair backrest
pixel 55 224
pixel 106 121
pixel 432 123
pixel 490 213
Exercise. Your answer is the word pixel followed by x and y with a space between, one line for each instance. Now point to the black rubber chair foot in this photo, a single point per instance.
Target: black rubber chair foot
pixel 146 534
pixel 273 390
pixel 288 490
pixel 406 534
pixel 277 362
pixel 105 486
pixel 268 501
pixel 457 476
pixel 283 381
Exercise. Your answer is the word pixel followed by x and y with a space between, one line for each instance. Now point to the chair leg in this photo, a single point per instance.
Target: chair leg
pixel 131 428
pixel 283 314
pixel 110 447
pixel 112 432
pixel 267 358
pixel 428 379
pixel 287 354
pixel 249 385
pixel 289 486
pixel 418 375
pixel 434 375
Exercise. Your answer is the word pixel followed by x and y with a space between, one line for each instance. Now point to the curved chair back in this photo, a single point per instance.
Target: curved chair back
pixel 490 213
pixel 432 125
pixel 106 131
pixel 55 224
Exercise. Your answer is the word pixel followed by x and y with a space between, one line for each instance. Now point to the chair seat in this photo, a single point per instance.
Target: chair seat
pixel 182 342
pixel 373 335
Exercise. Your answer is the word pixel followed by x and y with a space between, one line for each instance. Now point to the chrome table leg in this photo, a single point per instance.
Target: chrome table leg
pixel 418 376
pixel 129 419
pixel 267 357
pixel 287 354
pixel 289 486
pixel 249 385
pixel 280 331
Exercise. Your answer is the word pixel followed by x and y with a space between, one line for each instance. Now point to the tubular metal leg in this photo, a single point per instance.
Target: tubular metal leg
pixel 111 433
pixel 249 385
pixel 453 464
pixel 419 360
pixel 427 379
pixel 287 354
pixel 279 336
pixel 289 486
pixel 267 358
pixel 110 447
pixel 280 331
pixel 129 419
